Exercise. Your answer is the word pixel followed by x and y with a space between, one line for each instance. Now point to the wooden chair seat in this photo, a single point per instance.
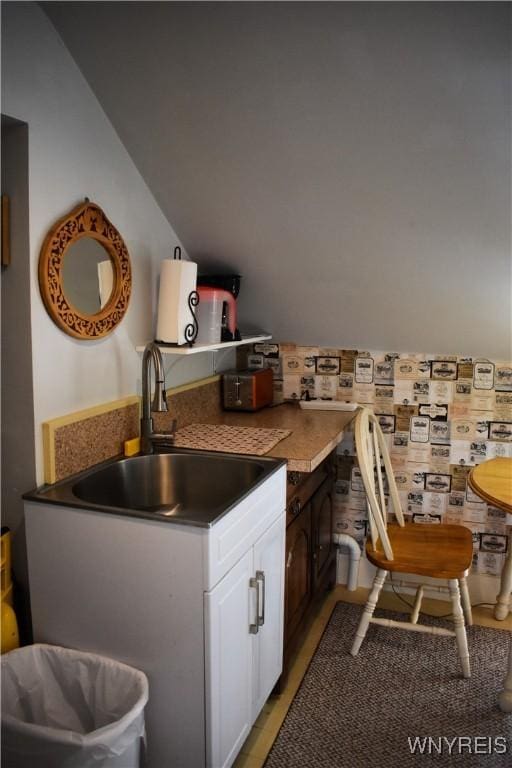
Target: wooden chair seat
pixel 438 551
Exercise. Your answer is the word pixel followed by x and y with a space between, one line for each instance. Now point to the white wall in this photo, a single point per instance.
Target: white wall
pixel 351 159
pixel 74 152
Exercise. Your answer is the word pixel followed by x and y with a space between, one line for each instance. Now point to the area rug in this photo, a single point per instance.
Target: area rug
pixel 401 702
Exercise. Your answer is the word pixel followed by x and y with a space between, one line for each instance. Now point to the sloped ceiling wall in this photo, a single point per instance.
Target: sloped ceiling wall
pixel 350 160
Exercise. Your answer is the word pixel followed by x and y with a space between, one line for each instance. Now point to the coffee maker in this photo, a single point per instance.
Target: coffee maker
pixel 231 283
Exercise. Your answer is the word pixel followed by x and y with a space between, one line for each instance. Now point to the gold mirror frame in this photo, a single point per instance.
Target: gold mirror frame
pixel 86 220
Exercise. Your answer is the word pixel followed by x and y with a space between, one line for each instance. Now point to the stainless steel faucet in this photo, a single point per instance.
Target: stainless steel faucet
pixel 148 438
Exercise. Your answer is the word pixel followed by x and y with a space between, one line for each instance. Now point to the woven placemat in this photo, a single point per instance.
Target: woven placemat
pixel 220 437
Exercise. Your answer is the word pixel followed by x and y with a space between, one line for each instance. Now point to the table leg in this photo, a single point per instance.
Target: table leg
pixel 503 599
pixel 505 697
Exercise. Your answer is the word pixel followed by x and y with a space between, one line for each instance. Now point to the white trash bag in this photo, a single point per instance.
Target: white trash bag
pixel 68 709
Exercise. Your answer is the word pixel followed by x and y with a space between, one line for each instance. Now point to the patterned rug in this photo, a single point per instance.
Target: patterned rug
pixel 402 688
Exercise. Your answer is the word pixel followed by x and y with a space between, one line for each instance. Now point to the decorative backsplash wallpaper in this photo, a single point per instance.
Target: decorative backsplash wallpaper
pixel 441 415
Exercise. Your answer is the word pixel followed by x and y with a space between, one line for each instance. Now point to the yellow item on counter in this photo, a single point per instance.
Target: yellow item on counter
pixel 9 633
pixel 10 636
pixel 131 447
pixel 5 566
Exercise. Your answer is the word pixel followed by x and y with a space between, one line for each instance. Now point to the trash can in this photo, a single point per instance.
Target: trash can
pixel 69 709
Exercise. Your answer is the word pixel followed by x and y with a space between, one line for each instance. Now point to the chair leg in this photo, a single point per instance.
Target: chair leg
pixel 460 630
pixel 466 602
pixel 368 610
pixel 503 605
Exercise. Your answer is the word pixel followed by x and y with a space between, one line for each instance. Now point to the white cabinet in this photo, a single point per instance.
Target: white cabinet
pixel 228 664
pixel 268 642
pixel 177 602
pixel 244 642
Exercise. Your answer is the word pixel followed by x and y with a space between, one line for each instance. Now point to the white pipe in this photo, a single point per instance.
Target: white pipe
pixel 344 540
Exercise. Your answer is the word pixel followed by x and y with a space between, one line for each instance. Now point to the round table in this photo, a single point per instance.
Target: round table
pixel 492 481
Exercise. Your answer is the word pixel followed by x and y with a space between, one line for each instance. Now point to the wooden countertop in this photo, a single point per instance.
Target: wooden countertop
pixel 314 434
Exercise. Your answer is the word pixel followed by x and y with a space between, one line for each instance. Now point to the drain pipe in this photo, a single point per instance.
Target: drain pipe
pixel 344 540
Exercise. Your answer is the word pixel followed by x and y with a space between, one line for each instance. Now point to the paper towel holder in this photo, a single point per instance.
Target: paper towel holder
pixel 192 329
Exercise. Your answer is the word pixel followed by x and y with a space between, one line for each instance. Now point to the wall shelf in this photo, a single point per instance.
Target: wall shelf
pixel 186 350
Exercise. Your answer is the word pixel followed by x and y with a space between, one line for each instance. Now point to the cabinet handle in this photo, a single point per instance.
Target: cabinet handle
pixel 295 507
pixel 254 583
pixel 290 558
pixel 260 577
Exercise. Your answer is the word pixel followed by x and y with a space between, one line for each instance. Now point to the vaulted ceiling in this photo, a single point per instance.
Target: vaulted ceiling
pixel 348 159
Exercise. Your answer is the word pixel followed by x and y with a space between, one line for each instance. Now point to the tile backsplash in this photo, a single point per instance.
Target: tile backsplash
pixel 441 415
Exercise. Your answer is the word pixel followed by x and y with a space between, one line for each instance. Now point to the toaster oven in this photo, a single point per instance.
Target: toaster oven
pixel 247 390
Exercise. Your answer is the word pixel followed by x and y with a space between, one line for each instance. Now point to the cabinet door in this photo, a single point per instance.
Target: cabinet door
pixel 322 512
pixel 268 642
pixel 229 609
pixel 298 570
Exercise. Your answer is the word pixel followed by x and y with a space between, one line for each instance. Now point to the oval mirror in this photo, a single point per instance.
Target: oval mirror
pixel 87 276
pixel 85 273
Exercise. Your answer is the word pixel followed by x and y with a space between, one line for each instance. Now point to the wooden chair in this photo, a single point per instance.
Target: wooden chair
pixel 437 551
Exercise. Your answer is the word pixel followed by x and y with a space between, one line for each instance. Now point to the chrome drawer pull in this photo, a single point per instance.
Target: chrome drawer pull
pixel 260 576
pixel 254 583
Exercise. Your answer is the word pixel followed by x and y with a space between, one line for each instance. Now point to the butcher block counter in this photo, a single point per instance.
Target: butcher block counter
pixel 314 434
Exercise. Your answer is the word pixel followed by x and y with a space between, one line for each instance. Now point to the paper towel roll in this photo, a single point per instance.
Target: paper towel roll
pixel 177 280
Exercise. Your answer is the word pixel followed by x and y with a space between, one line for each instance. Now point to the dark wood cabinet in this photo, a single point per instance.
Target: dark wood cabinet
pixel 321 525
pixel 310 552
pixel 298 577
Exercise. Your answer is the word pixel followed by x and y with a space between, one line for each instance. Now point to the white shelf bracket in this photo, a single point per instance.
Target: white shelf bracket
pixel 218 355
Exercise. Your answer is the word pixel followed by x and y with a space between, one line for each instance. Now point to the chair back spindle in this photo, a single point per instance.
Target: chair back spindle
pixel 373 456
